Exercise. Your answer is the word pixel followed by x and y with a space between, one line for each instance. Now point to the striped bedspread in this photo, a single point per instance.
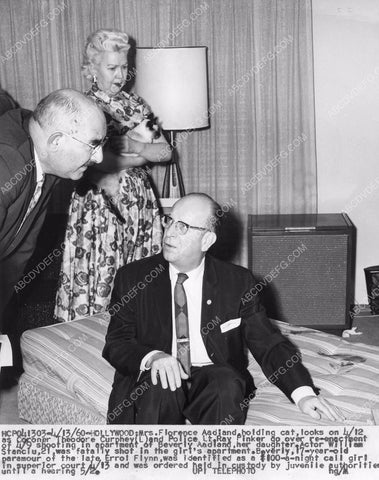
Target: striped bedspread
pixel 347 374
pixel 67 381
pixel 65 378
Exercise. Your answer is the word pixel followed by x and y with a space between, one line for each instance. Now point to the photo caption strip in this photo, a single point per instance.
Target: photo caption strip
pixel 189 451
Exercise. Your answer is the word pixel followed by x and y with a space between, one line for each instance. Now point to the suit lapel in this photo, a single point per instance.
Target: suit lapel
pixel 28 184
pixel 210 329
pixel 48 184
pixel 40 208
pixel 209 292
pixel 27 150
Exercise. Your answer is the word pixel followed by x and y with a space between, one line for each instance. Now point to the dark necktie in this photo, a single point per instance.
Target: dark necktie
pixel 181 322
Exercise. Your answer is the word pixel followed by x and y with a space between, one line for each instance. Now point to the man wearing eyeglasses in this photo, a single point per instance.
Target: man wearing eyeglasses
pixel 61 138
pixel 179 323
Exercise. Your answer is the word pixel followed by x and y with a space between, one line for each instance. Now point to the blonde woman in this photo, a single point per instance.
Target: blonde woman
pixel 113 216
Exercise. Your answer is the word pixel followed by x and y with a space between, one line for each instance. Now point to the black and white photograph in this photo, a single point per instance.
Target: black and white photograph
pixel 189 260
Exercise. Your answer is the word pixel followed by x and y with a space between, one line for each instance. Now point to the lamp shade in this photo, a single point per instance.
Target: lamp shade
pixel 173 81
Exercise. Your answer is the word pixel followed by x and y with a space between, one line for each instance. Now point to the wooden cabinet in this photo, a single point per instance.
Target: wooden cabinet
pixel 304 265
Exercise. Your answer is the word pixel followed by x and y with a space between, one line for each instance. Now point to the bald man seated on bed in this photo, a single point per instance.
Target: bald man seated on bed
pixel 177 336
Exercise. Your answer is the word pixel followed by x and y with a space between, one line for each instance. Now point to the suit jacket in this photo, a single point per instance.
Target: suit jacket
pixel 6 102
pixel 17 185
pixel 141 321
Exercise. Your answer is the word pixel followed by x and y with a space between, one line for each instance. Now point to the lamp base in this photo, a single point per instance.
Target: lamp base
pixel 173 186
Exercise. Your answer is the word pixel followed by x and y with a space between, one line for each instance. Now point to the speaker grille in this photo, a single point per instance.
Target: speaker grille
pixel 310 273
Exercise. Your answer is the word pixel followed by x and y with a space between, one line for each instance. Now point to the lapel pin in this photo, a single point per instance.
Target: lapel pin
pixel 209 301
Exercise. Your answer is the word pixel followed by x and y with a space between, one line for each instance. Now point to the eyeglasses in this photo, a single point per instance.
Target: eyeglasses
pixel 180 227
pixel 94 147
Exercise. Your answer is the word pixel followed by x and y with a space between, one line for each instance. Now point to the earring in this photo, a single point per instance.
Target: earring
pixel 94 78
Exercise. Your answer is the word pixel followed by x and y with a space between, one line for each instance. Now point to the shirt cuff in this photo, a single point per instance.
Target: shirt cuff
pixel 146 358
pixel 301 392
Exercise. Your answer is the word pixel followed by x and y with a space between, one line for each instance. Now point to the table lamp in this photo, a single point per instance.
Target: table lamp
pixel 173 81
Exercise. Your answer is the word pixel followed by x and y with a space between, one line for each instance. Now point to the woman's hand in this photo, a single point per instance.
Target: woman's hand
pixel 124 145
pixel 122 152
pixel 115 162
pixel 121 144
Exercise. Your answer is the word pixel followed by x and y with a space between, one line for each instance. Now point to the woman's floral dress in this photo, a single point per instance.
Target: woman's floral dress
pixel 103 234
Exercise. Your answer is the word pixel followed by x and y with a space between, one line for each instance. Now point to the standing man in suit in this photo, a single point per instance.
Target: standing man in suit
pixel 61 138
pixel 167 371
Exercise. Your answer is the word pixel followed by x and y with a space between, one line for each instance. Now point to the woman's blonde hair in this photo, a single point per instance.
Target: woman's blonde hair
pixel 103 40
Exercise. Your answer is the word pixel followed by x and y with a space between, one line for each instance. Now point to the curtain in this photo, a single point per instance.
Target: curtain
pixel 258 156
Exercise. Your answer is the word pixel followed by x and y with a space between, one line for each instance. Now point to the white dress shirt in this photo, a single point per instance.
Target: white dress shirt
pixel 39 172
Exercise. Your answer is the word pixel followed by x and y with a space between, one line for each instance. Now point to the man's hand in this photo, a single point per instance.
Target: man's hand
pixel 122 144
pixel 167 369
pixel 317 407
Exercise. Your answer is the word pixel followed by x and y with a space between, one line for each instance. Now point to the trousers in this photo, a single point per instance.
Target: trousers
pixel 213 396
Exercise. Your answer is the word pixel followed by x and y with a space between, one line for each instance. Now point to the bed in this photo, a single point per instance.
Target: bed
pixel 66 381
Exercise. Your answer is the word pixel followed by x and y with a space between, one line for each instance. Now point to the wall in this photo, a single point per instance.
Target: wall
pixel 346 69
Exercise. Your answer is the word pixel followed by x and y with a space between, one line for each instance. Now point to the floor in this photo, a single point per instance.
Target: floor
pixel 8 398
pixel 367 324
